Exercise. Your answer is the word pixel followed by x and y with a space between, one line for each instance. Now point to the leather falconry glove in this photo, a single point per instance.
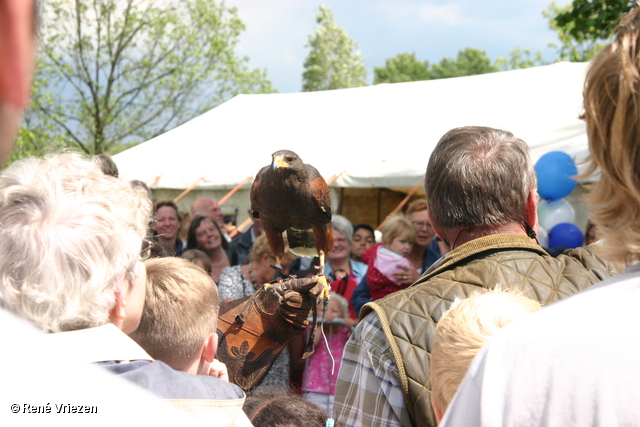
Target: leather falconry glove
pixel 252 331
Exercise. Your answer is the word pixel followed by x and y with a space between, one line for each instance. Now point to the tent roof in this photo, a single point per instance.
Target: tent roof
pixel 376 136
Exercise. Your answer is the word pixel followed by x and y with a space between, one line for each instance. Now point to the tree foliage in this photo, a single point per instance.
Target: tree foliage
pixel 520 58
pixel 404 67
pixel 333 61
pixel 584 26
pixel 123 71
pixel 469 62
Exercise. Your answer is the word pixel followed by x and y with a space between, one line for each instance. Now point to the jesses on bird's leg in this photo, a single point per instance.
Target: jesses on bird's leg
pixel 322 278
pixel 278 274
pixel 278 271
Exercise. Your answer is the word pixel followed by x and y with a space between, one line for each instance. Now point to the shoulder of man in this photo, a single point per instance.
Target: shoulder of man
pixel 588 257
pixel 165 382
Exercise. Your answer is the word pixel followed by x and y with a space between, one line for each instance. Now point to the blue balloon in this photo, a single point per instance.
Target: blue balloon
pixel 565 234
pixel 555 170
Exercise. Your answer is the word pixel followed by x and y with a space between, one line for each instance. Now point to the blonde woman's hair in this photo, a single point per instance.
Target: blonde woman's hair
pixel 69 236
pixel 417 205
pixel 462 332
pixel 397 226
pixel 612 112
pixel 261 247
pixel 180 311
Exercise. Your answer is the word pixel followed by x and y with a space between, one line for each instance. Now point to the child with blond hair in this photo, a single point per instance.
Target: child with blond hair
pixel 383 259
pixel 462 332
pixel 321 370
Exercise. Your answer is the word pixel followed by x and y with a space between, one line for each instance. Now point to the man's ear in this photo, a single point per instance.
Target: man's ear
pixel 118 313
pixel 532 209
pixel 210 347
pixel 439 233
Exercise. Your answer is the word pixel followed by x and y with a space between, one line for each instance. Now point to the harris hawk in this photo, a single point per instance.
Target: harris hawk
pixel 289 195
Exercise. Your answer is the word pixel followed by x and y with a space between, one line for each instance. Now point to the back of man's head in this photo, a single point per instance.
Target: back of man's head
pixel 478 176
pixel 462 332
pixel 180 312
pixel 69 236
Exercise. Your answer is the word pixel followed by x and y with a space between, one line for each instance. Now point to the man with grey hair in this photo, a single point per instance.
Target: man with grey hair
pixel 576 363
pixel 71 262
pixel 481 194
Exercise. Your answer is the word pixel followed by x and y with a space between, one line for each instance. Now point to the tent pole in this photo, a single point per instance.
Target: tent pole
pixel 184 193
pixel 334 177
pixel 236 188
pixel 401 204
pixel 155 181
pixel 241 227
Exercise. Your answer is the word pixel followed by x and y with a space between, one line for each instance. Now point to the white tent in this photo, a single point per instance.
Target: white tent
pixel 376 136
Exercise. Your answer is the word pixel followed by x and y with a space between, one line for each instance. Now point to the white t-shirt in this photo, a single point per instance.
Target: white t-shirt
pixel 574 363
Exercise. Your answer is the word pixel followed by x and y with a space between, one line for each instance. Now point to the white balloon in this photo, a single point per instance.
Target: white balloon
pixel 552 213
pixel 543 237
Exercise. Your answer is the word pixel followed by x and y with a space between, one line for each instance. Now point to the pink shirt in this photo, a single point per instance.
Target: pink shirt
pixel 317 373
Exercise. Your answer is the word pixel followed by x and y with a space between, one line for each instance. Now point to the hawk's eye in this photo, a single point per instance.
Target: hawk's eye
pixel 289 159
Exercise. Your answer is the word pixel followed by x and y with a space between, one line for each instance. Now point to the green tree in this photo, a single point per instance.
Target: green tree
pixel 404 67
pixel 520 58
pixel 584 26
pixel 468 63
pixel 114 71
pixel 333 61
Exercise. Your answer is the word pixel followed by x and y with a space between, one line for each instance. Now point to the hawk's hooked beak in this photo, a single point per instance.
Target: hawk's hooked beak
pixel 279 162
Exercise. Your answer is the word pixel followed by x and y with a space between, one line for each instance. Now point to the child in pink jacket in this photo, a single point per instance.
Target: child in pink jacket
pixel 384 258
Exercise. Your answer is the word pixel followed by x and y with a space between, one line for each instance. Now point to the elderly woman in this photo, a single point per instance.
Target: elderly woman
pixel 426 249
pixel 240 281
pixel 339 262
pixel 343 271
pixel 204 234
pixel 167 227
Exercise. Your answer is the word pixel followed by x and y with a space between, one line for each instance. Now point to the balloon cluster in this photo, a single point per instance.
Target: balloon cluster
pixel 555 171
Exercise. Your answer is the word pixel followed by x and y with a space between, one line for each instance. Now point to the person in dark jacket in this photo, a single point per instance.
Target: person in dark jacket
pixel 241 245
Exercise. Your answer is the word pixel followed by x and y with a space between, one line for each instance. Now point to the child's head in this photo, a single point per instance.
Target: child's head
pixel 283 408
pixel 199 258
pixel 338 307
pixel 398 234
pixel 462 332
pixel 178 324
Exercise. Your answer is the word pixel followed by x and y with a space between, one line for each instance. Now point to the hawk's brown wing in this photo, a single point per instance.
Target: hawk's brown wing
pixel 255 193
pixel 320 190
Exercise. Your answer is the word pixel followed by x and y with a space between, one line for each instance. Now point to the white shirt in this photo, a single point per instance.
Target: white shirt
pixel 573 363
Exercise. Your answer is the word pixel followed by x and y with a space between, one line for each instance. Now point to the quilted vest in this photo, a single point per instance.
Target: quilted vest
pixel 409 317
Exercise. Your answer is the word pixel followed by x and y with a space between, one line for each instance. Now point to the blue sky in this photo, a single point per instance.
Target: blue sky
pixel 278 30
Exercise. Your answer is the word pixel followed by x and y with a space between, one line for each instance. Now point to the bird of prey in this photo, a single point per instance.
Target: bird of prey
pixel 291 196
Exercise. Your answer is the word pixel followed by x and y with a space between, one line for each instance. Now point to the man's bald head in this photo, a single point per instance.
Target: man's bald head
pixel 206 206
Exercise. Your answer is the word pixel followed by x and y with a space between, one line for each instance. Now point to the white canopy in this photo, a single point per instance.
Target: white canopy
pixel 376 136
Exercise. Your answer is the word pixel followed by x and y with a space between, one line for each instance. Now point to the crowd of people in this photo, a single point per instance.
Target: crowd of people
pixel 444 321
